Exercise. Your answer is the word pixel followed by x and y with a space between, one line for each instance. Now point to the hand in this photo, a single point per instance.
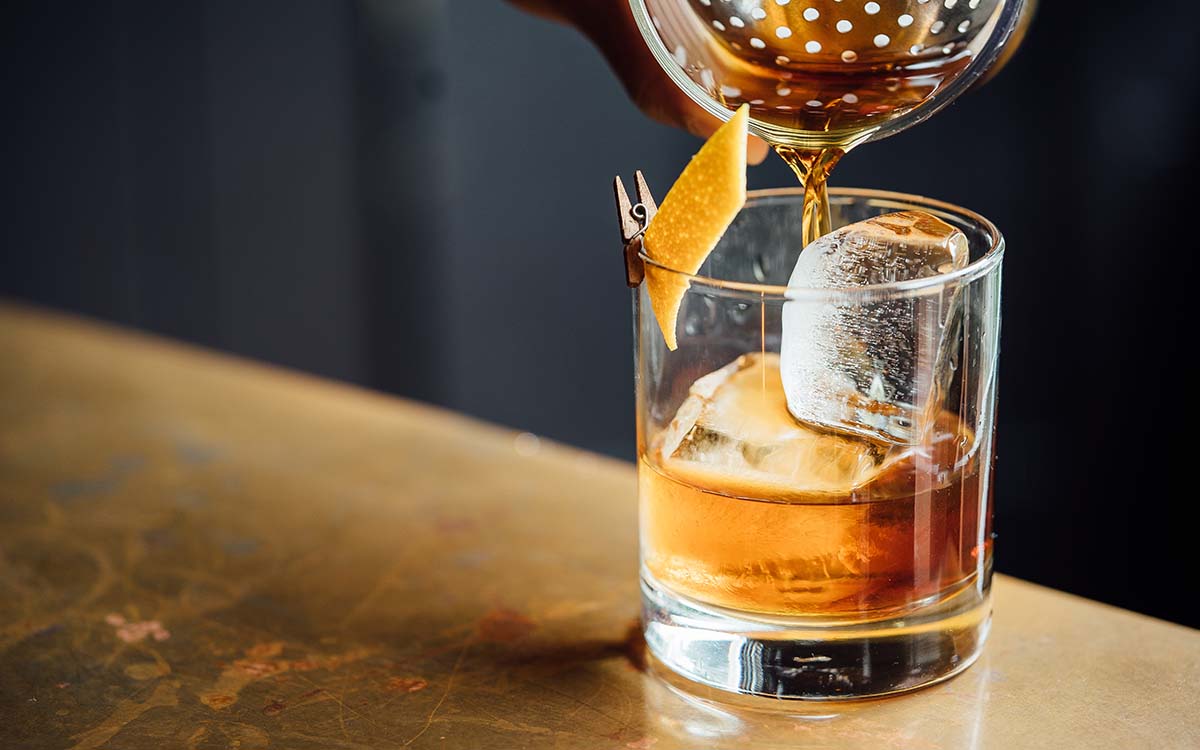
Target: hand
pixel 610 26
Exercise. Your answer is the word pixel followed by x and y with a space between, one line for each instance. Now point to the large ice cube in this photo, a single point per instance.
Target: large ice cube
pixel 875 367
pixel 734 434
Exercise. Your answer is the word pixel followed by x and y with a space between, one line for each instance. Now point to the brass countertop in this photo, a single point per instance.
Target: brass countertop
pixel 200 552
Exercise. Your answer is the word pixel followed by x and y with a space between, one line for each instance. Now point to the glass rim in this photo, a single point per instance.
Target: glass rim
pixel 977 268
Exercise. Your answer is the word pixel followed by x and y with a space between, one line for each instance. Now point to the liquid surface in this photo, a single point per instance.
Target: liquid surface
pixel 742 507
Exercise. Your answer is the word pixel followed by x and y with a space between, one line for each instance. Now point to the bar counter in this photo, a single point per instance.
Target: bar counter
pixel 201 552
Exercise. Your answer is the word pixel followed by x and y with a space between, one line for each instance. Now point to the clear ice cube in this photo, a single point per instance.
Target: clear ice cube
pixel 873 367
pixel 734 433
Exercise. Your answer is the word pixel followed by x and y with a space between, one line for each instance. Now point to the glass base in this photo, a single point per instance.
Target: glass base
pixel 806 658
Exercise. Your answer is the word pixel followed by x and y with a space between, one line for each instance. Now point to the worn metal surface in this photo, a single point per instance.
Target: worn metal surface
pixel 197 552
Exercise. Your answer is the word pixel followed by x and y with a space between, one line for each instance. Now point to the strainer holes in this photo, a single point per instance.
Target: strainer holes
pixel 882 40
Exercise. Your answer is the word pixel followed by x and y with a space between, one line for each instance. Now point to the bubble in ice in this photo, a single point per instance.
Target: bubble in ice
pixel 873 365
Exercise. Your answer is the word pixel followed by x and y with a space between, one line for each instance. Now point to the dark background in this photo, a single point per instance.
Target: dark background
pixel 415 196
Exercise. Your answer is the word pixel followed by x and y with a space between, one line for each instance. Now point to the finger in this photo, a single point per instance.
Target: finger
pixel 699 122
pixel 756 150
pixel 647 83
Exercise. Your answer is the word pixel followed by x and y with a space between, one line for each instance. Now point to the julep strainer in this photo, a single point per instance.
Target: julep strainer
pixel 828 73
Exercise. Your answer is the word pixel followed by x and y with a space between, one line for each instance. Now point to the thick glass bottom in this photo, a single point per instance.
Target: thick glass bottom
pixel 803 658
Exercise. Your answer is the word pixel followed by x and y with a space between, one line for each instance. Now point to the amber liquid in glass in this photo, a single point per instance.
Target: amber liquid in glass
pixel 754 512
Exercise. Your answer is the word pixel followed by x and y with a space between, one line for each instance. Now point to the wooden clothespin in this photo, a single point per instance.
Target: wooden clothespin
pixel 633 219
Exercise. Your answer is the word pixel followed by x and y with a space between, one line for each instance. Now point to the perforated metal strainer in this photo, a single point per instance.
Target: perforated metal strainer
pixel 826 72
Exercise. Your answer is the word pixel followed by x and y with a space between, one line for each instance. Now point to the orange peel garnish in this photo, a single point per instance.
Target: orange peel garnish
pixel 698 209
